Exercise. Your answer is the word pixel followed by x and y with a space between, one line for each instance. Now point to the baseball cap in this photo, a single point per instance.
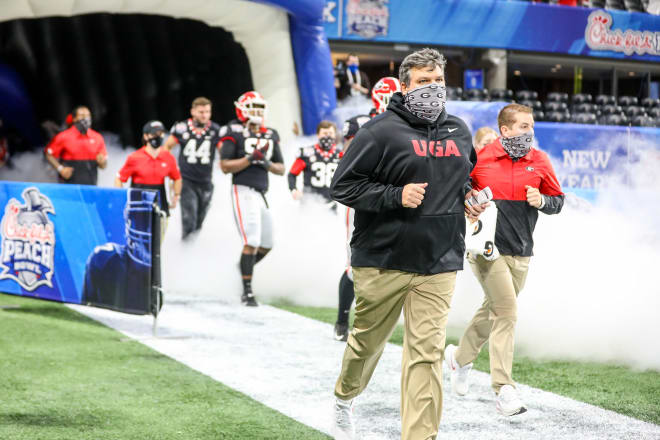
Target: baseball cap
pixel 153 127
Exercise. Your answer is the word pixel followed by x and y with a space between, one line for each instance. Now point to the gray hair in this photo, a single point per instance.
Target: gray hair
pixel 422 58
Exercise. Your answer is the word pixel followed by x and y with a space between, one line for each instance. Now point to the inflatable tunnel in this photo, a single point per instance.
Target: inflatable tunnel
pixel 136 60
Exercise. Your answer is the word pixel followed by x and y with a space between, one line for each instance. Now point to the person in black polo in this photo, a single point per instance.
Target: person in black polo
pixel 406 175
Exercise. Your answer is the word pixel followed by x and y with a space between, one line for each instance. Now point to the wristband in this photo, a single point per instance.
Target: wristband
pixel 60 168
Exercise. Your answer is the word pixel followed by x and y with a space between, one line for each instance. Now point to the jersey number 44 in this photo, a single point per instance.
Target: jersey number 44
pixel 194 154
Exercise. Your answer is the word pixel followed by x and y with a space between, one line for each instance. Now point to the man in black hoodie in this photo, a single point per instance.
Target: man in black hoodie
pixel 407 177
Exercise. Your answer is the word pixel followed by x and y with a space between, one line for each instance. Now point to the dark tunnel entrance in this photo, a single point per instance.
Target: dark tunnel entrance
pixel 127 68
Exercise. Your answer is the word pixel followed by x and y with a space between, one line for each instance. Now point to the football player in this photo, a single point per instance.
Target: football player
pixel 250 150
pixel 381 94
pixel 317 163
pixel 199 137
pixel 346 292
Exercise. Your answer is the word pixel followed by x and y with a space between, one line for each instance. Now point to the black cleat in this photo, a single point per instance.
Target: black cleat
pixel 341 332
pixel 248 299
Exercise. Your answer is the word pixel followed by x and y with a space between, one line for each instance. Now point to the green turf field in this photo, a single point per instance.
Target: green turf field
pixel 617 388
pixel 64 376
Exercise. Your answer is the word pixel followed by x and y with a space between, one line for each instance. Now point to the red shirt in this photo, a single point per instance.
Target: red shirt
pixel 507 179
pixel 144 169
pixel 70 144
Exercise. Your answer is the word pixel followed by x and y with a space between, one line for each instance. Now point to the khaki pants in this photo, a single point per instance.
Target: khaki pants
pixel 502 281
pixel 425 299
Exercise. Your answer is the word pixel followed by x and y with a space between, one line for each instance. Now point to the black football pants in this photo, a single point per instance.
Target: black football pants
pixel 195 202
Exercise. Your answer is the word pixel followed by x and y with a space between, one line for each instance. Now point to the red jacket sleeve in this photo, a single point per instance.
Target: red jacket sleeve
pixel 126 170
pixel 297 167
pixel 174 173
pixel 102 149
pixel 550 184
pixel 54 148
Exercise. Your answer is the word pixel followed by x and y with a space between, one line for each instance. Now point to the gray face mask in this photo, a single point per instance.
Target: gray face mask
pixel 426 102
pixel 518 146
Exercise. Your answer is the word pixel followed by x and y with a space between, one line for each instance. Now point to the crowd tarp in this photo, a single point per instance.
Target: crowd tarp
pixel 80 244
pixel 498 24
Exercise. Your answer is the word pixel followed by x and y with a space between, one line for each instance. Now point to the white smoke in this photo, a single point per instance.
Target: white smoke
pixel 591 293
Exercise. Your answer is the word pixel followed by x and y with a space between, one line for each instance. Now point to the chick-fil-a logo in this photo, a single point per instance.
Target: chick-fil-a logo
pixel 600 36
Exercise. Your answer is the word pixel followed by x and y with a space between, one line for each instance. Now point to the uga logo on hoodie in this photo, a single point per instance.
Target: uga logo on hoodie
pixel 435 148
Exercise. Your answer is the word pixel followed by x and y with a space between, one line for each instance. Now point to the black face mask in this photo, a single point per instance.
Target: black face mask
pixel 83 124
pixel 156 142
pixel 326 142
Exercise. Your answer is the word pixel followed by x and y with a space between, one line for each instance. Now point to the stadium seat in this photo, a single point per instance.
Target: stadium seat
pixel 538 115
pixel 605 100
pixel 534 104
pixel 505 95
pixel 583 118
pixel 557 97
pixel 625 101
pixel 611 120
pixel 526 95
pixel 614 4
pixel 555 106
pixel 581 98
pixel 594 3
pixel 643 121
pixel 611 110
pixel 454 93
pixel 634 110
pixel 474 95
pixel 634 6
pixel 654 112
pixel 556 117
pixel 650 102
pixel 584 108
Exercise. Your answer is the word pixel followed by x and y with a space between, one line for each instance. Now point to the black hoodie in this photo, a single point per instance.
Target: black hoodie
pixel 390 151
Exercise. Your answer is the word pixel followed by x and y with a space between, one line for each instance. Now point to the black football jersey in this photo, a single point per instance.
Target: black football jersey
pixel 239 141
pixel 197 151
pixel 319 167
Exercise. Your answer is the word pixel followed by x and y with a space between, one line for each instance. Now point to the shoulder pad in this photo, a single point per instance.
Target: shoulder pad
pixel 236 128
pixel 179 127
pixel 307 151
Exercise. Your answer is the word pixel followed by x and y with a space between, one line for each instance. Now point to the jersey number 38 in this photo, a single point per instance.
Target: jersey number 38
pixel 323 173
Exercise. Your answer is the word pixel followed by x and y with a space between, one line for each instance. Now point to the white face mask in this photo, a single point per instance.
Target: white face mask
pixel 518 146
pixel 427 101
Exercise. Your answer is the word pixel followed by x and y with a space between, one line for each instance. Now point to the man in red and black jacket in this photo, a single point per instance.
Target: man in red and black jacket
pixel 78 152
pixel 523 183
pixel 150 165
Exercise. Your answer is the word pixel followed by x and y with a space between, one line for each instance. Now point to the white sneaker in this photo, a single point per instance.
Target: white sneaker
pixel 344 428
pixel 459 375
pixel 508 402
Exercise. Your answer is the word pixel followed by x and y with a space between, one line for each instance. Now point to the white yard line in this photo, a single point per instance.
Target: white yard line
pixel 290 363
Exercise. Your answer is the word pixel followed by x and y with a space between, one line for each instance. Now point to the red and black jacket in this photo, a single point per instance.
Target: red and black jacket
pixel 78 151
pixel 507 178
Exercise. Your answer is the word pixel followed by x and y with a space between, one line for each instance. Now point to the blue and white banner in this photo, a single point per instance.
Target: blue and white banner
pixel 586 158
pixel 497 24
pixel 77 244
